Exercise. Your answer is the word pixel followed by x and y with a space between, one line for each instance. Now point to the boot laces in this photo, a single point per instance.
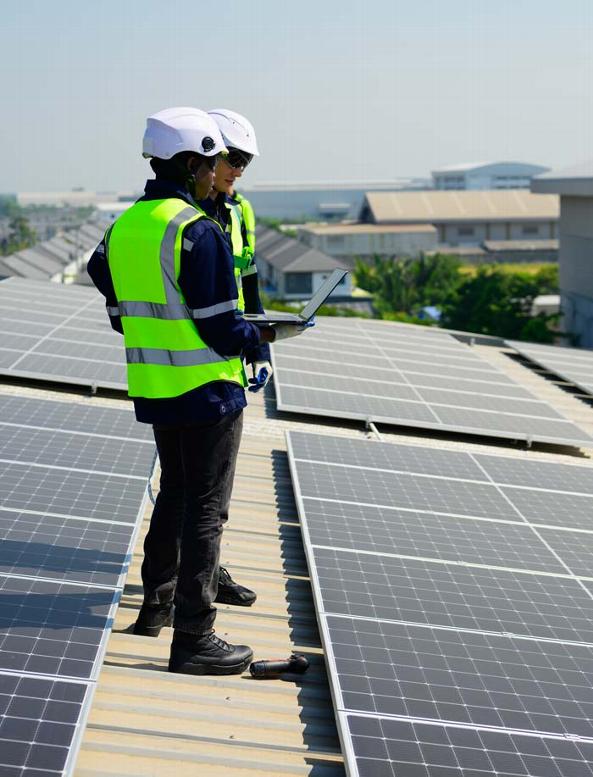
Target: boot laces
pixel 224 577
pixel 220 642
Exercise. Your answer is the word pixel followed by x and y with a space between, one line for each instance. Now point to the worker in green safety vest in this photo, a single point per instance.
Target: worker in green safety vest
pixel 167 274
pixel 236 215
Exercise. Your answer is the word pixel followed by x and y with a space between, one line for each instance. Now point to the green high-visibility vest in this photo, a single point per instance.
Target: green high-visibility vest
pixel 164 352
pixel 242 221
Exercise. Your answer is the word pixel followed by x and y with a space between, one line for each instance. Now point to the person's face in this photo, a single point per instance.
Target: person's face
pixel 204 177
pixel 225 176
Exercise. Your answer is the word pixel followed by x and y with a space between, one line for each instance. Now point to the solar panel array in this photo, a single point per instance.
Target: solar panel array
pixel 398 374
pixel 574 365
pixel 73 480
pixel 454 593
pixel 51 332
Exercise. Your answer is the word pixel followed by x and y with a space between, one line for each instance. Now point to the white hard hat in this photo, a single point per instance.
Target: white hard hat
pixel 174 130
pixel 236 130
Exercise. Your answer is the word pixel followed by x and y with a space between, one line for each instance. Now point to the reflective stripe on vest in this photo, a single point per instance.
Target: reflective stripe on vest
pixel 165 354
pixel 241 262
pixel 248 219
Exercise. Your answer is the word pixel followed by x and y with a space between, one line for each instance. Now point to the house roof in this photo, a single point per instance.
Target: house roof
pixel 289 255
pixel 454 206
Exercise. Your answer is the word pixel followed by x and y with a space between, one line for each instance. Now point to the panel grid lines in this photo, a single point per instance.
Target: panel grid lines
pixel 71 499
pixel 333 383
pixel 54 344
pixel 426 637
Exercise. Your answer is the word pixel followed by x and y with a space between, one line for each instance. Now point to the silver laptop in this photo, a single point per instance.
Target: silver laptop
pixel 307 313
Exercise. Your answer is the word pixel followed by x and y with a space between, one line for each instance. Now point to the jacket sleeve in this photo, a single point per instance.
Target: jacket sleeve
pixel 98 270
pixel 253 304
pixel 207 282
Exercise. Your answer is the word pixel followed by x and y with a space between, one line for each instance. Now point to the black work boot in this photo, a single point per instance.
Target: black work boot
pixel 151 620
pixel 230 592
pixel 207 654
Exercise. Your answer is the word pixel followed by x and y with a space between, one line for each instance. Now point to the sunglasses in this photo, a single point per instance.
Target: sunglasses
pixel 236 159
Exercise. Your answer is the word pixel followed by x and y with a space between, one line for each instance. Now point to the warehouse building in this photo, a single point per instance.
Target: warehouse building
pixel 467 218
pixel 575 187
pixel 349 241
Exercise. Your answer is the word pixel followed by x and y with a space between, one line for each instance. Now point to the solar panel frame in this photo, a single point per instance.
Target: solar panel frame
pixel 27 312
pixel 369 359
pixel 295 440
pixel 44 701
pixel 57 603
pixel 457 751
pixel 65 549
pixel 579 374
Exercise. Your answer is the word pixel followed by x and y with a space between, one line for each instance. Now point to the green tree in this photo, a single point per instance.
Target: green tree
pixel 404 285
pixel 499 303
pixel 20 235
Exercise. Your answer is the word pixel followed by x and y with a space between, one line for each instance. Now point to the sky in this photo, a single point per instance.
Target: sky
pixel 337 91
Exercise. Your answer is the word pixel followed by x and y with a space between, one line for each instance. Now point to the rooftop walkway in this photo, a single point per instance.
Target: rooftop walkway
pixel 145 721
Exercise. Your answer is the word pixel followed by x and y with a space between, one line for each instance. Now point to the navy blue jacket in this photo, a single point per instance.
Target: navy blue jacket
pixel 206 278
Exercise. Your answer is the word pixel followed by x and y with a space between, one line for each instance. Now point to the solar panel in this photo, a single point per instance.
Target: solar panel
pixel 574 365
pixel 39 723
pixel 454 595
pixel 451 604
pixel 61 322
pixel 72 493
pixel 68 549
pixel 396 374
pixel 384 747
pixel 53 628
pixel 58 449
pixel 85 417
pixel 428 535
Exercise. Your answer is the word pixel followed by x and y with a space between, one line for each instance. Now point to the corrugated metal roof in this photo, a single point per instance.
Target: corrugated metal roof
pixel 366 229
pixel 145 721
pixel 443 206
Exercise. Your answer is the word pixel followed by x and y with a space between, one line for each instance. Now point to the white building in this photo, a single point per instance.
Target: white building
pixel 486 175
pixel 575 187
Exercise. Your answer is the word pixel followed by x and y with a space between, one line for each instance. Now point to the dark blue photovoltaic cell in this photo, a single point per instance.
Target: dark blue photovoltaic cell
pixel 73 481
pixel 451 615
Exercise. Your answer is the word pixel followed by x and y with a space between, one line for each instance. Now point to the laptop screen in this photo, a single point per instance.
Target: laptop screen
pixel 322 294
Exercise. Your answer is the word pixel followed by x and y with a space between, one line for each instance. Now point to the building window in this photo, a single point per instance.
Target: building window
pixel 465 231
pixel 529 229
pixel 299 283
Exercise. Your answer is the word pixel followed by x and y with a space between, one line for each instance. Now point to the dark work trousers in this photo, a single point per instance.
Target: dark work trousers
pixel 182 547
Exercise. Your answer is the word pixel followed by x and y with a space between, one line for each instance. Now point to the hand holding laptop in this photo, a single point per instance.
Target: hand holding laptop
pixel 275 332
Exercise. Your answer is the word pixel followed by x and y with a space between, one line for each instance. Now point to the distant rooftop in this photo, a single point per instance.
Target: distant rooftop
pixel 451 206
pixel 576 180
pixel 365 229
pixel 465 167
pixel 397 183
pixel 289 255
